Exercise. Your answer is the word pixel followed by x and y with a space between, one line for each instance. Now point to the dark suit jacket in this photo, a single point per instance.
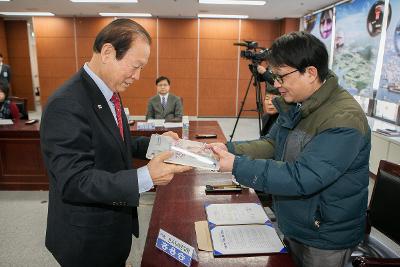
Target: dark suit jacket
pixel 93 191
pixel 172 112
pixel 5 73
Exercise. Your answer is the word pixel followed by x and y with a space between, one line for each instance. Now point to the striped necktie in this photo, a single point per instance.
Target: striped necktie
pixel 163 103
pixel 117 105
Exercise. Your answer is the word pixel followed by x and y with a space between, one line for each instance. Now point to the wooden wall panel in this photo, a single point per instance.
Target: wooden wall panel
pixel 290 25
pixel 218 67
pixel 55 42
pixel 61 53
pixel 178 59
pixel 18 56
pixel 3 42
pixel 264 32
pixel 141 89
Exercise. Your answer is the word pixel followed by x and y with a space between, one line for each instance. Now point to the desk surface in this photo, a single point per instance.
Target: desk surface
pixel 178 205
pixel 195 127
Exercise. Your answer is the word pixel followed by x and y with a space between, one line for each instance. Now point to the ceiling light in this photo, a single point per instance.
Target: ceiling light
pixel 26 13
pixel 220 16
pixel 5 0
pixel 104 1
pixel 233 2
pixel 125 14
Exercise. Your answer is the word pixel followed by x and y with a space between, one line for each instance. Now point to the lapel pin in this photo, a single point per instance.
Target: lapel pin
pixel 99 107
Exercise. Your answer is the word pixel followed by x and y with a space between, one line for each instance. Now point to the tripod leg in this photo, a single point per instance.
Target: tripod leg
pixel 259 104
pixel 241 108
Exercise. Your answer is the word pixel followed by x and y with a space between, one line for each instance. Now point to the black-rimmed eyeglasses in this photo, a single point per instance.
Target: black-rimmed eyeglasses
pixel 279 78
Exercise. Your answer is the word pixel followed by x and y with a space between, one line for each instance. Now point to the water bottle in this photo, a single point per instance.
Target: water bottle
pixel 185 127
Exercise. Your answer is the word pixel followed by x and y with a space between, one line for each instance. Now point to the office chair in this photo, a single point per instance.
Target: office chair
pixel 384 215
pixel 22 104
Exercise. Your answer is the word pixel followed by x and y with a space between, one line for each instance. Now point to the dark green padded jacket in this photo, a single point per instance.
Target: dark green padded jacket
pixel 314 162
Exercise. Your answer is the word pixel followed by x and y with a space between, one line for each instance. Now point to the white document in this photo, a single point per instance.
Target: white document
pixel 185 152
pixel 172 124
pixel 245 239
pixel 6 122
pixel 242 228
pixel 157 122
pixel 236 213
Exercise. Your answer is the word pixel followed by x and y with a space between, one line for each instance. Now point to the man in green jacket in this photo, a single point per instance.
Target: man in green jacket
pixel 314 161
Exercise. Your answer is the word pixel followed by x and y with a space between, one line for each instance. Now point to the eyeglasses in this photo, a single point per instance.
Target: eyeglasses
pixel 279 78
pixel 162 84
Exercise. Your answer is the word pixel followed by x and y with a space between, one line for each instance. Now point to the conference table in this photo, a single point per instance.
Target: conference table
pixel 21 163
pixel 181 203
pixel 177 206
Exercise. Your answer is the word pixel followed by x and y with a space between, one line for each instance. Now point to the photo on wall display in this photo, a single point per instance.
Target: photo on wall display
pixel 357 36
pixel 389 85
pixel 320 25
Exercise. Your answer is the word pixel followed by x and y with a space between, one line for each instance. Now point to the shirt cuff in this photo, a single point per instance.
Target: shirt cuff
pixel 145 182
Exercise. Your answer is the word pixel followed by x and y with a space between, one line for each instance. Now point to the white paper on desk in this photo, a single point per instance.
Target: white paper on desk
pixel 172 124
pixel 236 213
pixel 245 239
pixel 6 122
pixel 157 122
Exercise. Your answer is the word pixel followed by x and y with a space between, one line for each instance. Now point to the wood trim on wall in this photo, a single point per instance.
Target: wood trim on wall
pixel 19 60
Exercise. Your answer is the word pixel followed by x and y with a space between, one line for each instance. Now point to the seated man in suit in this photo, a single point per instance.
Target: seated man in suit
pixel 164 105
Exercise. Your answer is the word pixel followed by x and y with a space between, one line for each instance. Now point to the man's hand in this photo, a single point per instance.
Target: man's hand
pixel 174 135
pixel 226 159
pixel 261 69
pixel 162 173
pixel 222 146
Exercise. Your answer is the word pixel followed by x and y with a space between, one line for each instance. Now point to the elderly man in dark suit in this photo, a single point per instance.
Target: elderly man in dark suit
pixel 88 150
pixel 5 71
pixel 164 105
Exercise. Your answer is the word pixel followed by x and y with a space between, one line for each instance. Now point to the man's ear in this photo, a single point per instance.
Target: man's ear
pixel 107 53
pixel 312 73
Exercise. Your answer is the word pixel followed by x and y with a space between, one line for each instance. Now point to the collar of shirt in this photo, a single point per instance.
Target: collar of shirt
pixel 105 90
pixel 166 97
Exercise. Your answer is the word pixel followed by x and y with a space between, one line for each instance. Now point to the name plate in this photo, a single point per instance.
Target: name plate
pixel 145 126
pixel 176 248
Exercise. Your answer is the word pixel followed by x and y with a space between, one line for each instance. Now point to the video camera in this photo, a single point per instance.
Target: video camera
pixel 251 52
pixel 256 58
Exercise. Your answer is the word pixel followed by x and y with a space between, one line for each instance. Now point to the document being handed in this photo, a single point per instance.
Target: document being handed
pixel 186 152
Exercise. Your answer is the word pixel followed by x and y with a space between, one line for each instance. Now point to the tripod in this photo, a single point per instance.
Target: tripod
pixel 259 102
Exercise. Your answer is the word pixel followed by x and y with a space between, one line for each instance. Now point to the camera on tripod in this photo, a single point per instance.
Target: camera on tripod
pixel 251 52
pixel 256 54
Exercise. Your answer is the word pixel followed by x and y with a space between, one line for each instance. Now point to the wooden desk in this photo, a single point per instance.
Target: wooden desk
pixel 178 205
pixel 21 164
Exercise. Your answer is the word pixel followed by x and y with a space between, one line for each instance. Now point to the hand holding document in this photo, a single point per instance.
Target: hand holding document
pixel 185 152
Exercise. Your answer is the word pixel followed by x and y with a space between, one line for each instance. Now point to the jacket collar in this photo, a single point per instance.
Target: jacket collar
pixel 102 110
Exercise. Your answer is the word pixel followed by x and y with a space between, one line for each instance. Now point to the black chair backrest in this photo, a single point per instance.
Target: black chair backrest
pixel 384 208
pixel 22 104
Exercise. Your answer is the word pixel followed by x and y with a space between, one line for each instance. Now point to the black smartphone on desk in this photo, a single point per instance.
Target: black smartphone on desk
pixel 223 188
pixel 201 136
